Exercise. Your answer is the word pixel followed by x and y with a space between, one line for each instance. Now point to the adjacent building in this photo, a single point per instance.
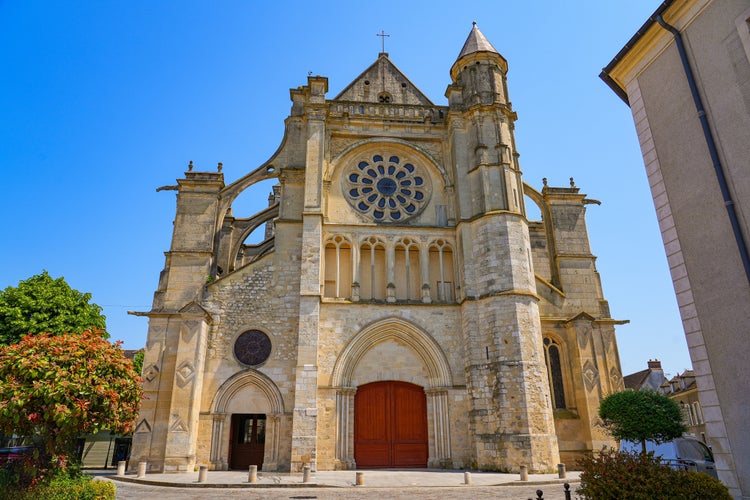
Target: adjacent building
pixel 686 77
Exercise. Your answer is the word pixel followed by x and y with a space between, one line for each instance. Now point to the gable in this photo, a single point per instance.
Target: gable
pixel 383 78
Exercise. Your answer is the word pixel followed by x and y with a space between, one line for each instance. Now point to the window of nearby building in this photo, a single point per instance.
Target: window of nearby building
pixel 698 413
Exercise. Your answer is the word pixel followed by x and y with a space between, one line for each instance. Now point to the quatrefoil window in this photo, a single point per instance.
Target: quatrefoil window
pixel 391 190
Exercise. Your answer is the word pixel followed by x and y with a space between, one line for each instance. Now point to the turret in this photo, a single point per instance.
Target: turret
pixel 480 72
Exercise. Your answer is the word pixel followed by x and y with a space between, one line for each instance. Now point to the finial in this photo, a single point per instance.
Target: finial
pixel 572 183
pixel 309 73
pixel 221 165
pixel 544 181
pixel 473 23
pixel 190 166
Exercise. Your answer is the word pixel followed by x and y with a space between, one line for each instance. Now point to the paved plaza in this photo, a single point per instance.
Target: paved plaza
pixel 383 484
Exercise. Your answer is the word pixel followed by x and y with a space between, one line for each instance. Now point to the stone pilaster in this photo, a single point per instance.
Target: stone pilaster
pixel 305 412
pixel 187 384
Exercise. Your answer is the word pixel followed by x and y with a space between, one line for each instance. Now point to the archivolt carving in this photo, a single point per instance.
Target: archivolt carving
pixel 393 143
pixel 393 328
pixel 241 380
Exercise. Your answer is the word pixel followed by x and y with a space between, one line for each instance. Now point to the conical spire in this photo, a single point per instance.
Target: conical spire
pixel 476 42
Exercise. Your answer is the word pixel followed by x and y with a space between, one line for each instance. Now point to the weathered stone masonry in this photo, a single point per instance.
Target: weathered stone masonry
pixel 396 249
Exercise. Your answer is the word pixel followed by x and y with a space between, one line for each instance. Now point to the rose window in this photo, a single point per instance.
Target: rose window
pixel 389 190
pixel 252 348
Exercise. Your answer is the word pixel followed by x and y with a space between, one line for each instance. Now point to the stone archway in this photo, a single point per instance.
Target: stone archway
pixel 248 393
pixel 433 376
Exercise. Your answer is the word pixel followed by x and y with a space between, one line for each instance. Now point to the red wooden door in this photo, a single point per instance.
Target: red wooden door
pixel 390 425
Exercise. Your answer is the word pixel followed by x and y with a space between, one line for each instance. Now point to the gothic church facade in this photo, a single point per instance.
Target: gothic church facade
pixel 402 310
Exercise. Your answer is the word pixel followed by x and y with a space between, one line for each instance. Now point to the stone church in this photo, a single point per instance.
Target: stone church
pixel 402 309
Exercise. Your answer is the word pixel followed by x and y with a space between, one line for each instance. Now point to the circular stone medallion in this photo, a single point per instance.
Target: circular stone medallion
pixel 386 190
pixel 252 348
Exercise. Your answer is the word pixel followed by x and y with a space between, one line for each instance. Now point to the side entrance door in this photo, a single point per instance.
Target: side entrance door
pixel 248 440
pixel 390 425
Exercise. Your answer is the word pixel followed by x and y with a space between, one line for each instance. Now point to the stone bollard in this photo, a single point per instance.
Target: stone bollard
pixel 524 473
pixel 360 479
pixel 252 476
pixel 306 474
pixel 141 469
pixel 203 473
pixel 467 478
pixel 561 471
pixel 121 468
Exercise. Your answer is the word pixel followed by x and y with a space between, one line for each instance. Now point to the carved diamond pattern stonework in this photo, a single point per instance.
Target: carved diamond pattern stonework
pixel 590 375
pixel 151 373
pixel 387 190
pixel 185 372
pixel 252 348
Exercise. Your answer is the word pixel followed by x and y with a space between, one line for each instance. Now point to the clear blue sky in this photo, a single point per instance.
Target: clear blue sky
pixel 102 102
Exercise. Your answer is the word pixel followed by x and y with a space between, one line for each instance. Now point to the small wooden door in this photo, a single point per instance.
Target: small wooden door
pixel 390 425
pixel 248 440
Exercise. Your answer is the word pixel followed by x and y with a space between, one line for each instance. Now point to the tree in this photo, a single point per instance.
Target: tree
pixel 59 387
pixel 138 362
pixel 641 416
pixel 42 304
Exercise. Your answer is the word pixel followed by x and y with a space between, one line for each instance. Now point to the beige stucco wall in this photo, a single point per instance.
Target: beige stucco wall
pixel 711 286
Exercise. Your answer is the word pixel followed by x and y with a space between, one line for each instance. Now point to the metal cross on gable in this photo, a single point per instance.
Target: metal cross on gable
pixel 382 36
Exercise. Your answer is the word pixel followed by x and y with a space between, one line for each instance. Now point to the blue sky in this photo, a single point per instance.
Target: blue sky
pixel 103 102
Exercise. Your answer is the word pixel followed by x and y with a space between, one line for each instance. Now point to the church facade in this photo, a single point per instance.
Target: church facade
pixel 402 309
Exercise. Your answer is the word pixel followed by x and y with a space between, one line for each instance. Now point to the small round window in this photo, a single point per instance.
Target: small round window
pixel 252 348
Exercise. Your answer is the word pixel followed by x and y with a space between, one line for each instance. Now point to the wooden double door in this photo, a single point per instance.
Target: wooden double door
pixel 390 425
pixel 248 440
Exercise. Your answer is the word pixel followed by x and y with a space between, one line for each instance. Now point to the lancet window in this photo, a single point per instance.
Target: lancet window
pixel 338 268
pixel 408 282
pixel 372 269
pixel 441 271
pixel 553 359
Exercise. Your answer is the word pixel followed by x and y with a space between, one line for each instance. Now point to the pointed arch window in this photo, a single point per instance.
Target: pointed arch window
pixel 441 271
pixel 372 269
pixel 407 270
pixel 553 359
pixel 338 268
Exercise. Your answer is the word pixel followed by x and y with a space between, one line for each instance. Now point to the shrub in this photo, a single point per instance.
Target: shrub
pixel 63 487
pixel 612 474
pixel 75 488
pixel 699 486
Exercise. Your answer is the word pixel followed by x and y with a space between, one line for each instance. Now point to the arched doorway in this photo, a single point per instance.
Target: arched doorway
pixel 390 425
pixel 248 416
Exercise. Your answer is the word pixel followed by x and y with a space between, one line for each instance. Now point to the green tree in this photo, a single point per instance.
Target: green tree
pixel 42 304
pixel 138 362
pixel 641 416
pixel 59 387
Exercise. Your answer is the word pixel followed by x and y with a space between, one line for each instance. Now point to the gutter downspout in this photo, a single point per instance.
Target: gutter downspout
pixel 718 167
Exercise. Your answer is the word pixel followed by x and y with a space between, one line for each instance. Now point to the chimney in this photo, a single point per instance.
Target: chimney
pixel 654 364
